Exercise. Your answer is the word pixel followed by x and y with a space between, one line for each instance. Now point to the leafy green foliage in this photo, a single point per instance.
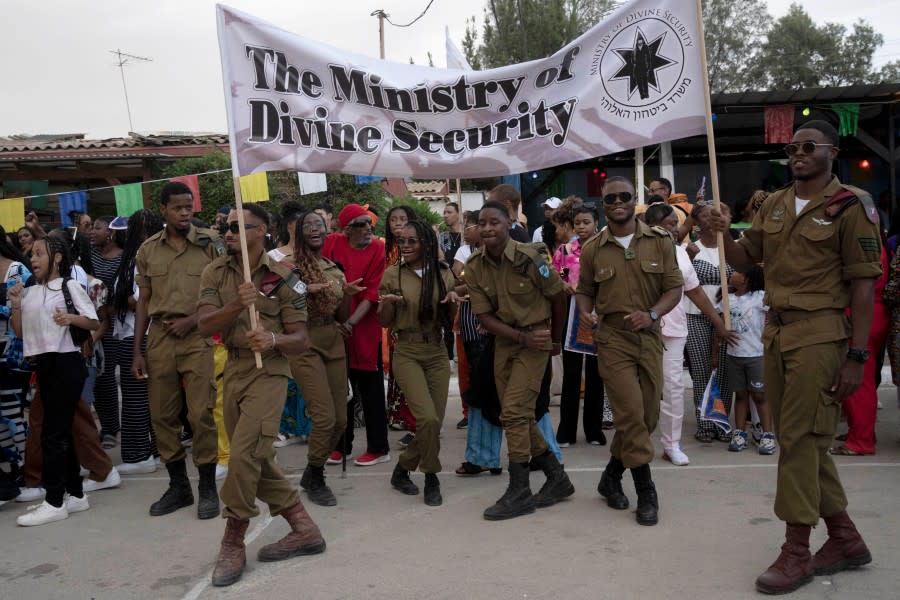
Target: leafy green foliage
pixel 735 32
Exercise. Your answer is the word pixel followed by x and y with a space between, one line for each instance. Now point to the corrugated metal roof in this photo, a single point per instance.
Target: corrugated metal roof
pixel 50 142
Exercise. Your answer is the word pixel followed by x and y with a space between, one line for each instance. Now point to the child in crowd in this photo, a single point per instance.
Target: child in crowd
pixel 745 358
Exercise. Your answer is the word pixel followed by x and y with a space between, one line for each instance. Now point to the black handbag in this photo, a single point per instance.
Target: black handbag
pixel 79 335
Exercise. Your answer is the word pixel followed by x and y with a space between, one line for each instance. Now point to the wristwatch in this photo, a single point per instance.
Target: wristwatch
pixel 654 316
pixel 860 355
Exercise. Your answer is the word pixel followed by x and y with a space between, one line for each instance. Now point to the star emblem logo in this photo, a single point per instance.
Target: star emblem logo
pixel 641 63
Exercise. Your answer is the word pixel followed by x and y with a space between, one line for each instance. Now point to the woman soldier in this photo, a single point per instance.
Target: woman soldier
pixel 416 302
pixel 322 368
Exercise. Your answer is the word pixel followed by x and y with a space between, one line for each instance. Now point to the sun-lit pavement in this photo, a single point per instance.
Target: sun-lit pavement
pixel 717 532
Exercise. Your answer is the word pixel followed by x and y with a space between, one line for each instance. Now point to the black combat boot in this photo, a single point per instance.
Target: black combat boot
pixel 179 493
pixel 517 500
pixel 557 485
pixel 648 504
pixel 313 481
pixel 610 486
pixel 208 506
pixel 400 481
pixel 432 490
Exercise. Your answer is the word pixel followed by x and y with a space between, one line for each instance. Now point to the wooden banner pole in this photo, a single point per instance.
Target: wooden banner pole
pixel 713 165
pixel 239 208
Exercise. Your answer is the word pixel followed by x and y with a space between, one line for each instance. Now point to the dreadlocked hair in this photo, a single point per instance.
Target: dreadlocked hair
pixel 58 243
pixel 306 260
pixel 433 288
pixel 391 252
pixel 141 225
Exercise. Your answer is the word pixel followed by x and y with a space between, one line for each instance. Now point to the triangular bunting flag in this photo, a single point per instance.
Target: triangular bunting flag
pixel 129 199
pixel 12 214
pixel 70 201
pixel 255 188
pixel 310 183
pixel 848 114
pixel 193 182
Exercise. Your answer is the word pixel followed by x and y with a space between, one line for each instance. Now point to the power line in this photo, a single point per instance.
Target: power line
pixel 380 12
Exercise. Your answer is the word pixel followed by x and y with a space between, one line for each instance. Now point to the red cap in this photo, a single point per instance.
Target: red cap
pixel 350 212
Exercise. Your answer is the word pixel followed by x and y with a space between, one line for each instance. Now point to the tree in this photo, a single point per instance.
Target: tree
pixel 849 59
pixel 889 73
pixel 734 33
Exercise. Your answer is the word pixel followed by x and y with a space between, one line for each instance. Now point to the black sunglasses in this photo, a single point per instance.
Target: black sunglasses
pixel 807 147
pixel 360 224
pixel 625 197
pixel 407 241
pixel 235 227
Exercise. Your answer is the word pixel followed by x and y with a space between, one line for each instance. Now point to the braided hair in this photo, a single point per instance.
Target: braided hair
pixel 141 225
pixel 57 244
pixel 390 244
pixel 325 302
pixel 432 281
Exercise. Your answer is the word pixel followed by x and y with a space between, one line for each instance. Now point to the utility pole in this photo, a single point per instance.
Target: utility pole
pixel 381 17
pixel 124 59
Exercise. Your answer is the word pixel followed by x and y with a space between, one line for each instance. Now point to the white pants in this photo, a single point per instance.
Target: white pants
pixel 671 409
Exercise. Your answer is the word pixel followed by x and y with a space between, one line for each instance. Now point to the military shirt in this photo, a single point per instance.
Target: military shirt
pixel 172 275
pixel 516 288
pixel 810 258
pixel 219 286
pixel 627 280
pixel 403 281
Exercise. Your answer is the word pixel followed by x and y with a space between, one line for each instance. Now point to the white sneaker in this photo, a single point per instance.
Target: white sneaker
pixel 158 461
pixel 221 472
pixel 74 505
pixel 138 468
pixel 27 494
pixel 41 514
pixel 112 480
pixel 676 457
pixel 286 440
pixel 82 472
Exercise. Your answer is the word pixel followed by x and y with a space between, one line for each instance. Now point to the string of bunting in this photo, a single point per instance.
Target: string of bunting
pixel 129 198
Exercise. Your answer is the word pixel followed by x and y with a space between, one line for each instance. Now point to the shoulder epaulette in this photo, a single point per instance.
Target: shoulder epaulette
pixel 846 197
pixel 537 252
pixel 659 231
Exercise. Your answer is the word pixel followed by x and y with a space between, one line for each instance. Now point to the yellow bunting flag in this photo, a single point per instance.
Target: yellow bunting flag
pixel 254 188
pixel 12 214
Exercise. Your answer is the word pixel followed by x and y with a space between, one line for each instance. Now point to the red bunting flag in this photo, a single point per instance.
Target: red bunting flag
pixel 779 121
pixel 193 182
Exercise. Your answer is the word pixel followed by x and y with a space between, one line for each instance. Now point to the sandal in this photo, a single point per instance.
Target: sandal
pixel 468 468
pixel 706 437
pixel 844 451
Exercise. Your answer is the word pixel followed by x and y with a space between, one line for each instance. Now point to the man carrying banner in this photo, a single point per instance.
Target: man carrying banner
pixel 820 244
pixel 254 397
pixel 179 358
pixel 519 299
pixel 630 278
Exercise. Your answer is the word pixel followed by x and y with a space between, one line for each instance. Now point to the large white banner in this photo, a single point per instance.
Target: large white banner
pixel 293 104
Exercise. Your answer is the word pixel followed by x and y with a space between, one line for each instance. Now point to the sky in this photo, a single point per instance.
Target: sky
pixel 59 76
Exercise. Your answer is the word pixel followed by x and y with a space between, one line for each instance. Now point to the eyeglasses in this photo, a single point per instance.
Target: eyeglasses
pixel 407 241
pixel 361 224
pixel 625 197
pixel 235 227
pixel 807 147
pixel 307 227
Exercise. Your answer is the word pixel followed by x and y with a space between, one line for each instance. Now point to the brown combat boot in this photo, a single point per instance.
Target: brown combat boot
pixel 303 539
pixel 793 567
pixel 844 549
pixel 232 556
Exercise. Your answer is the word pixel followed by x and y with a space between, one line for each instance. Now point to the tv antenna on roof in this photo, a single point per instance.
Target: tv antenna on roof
pixel 124 59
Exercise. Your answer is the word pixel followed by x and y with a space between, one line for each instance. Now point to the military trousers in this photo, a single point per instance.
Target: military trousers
pixel 630 364
pixel 321 372
pixel 422 370
pixel 254 399
pixel 518 373
pixel 181 370
pixel 798 388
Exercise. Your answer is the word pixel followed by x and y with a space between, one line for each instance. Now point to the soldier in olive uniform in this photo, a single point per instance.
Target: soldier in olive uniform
pixel 518 298
pixel 819 241
pixel 629 278
pixel 417 303
pixel 179 358
pixel 254 398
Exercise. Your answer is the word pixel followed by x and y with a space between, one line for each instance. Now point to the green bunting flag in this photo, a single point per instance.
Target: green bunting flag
pixel 848 114
pixel 129 199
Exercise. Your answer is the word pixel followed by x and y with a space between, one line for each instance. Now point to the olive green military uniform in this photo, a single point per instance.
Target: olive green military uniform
pixel 254 398
pixel 622 281
pixel 421 364
pixel 171 279
pixel 517 289
pixel 322 373
pixel 810 260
